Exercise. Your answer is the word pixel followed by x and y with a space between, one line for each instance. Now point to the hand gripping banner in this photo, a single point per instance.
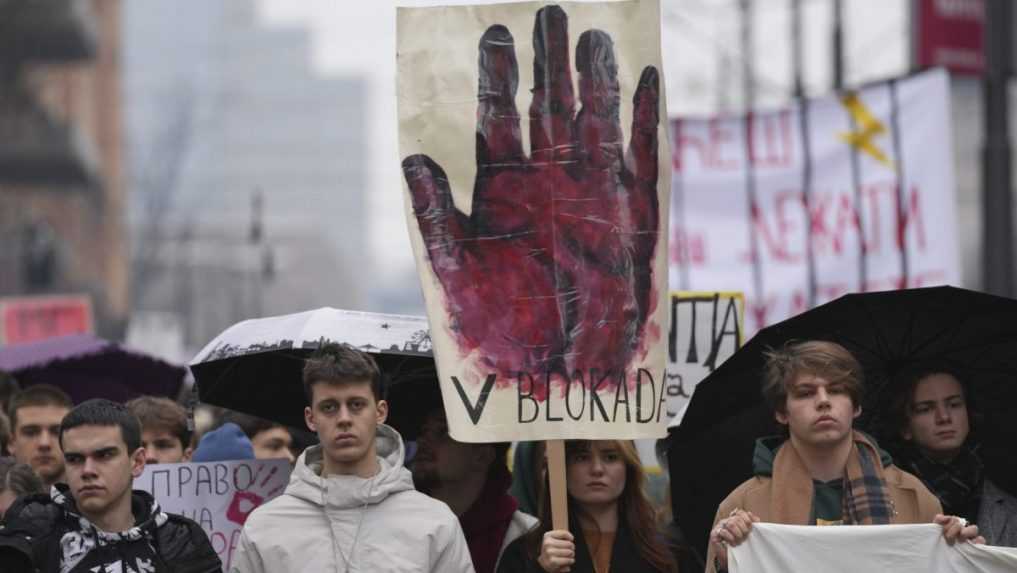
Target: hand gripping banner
pixel 540 237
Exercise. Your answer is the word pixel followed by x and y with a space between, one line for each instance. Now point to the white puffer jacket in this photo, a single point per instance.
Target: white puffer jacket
pixel 348 523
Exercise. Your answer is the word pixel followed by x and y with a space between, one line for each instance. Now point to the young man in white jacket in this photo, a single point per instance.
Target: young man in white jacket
pixel 350 504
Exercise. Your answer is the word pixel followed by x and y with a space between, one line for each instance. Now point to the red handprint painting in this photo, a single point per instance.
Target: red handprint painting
pixel 540 241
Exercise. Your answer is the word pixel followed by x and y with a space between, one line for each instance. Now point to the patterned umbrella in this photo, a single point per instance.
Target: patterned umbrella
pixel 256 366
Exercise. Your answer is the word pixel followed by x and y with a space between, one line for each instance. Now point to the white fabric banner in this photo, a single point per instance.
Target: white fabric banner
pixel 863 549
pixel 217 495
pixel 799 206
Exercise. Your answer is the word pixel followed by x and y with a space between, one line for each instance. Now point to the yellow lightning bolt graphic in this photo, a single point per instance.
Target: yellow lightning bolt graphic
pixel 868 127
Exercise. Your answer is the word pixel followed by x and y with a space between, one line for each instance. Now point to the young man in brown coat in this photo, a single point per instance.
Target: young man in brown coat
pixel 822 473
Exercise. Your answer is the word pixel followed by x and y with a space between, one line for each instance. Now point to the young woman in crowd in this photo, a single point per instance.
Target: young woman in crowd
pixel 933 420
pixel 612 525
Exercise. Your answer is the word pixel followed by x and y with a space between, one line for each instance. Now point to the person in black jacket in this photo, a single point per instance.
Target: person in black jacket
pixel 612 525
pixel 95 522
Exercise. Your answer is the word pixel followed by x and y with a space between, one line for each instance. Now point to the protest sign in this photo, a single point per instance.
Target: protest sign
pixel 799 206
pixel 217 495
pixel 706 328
pixel 32 318
pixel 544 272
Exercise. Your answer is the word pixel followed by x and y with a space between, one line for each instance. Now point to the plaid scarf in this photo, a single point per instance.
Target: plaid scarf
pixel 866 500
pixel 957 483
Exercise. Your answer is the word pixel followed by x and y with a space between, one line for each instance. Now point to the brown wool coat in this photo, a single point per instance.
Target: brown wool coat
pixel 792 503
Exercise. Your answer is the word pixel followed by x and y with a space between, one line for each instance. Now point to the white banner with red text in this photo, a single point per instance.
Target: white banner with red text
pixel 798 206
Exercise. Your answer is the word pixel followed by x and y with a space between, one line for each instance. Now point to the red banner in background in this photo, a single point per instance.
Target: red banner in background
pixel 950 34
pixel 28 319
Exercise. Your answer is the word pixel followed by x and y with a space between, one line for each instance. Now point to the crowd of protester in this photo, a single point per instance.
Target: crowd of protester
pixel 357 501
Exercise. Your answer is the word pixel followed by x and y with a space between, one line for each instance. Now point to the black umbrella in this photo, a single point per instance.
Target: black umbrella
pixel 256 366
pixel 969 333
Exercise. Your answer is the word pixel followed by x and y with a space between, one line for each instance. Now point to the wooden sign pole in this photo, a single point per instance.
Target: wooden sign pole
pixel 556 475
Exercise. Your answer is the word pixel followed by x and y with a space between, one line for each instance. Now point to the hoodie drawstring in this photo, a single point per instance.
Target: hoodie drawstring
pixel 360 522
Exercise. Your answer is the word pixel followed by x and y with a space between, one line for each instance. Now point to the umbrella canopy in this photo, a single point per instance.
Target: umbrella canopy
pixel 411 397
pixel 969 333
pixel 86 366
pixel 256 366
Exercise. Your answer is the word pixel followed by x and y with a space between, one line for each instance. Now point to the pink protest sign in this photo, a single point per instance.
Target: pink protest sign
pixel 217 495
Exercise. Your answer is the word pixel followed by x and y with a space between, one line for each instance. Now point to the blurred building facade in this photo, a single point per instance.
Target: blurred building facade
pixel 246 169
pixel 61 188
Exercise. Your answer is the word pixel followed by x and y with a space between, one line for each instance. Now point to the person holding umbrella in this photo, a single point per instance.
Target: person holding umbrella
pixel 814 389
pixel 933 416
pixel 350 503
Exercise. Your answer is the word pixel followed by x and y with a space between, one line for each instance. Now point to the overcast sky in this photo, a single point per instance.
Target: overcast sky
pixel 702 63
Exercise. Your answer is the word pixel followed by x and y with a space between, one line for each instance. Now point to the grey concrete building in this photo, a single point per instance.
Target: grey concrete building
pixel 246 169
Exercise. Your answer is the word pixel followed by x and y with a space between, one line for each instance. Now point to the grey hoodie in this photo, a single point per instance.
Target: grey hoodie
pixel 348 523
